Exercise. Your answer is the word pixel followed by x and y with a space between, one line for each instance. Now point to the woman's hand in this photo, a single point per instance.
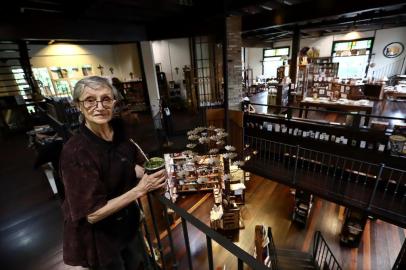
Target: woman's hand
pixel 151 182
pixel 146 184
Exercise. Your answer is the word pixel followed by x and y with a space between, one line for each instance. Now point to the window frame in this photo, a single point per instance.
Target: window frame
pixel 372 39
pixel 352 40
pixel 279 55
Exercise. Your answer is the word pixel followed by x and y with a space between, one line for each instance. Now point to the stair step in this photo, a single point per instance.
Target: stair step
pixel 293 253
pixel 289 259
pixel 295 267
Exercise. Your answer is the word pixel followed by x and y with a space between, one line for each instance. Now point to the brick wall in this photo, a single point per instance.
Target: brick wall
pixel 234 44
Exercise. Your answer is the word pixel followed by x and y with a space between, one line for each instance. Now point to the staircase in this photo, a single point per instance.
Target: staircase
pixel 289 259
pixel 321 257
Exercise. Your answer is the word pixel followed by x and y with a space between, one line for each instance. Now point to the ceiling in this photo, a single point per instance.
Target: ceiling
pixel 131 20
pixel 318 18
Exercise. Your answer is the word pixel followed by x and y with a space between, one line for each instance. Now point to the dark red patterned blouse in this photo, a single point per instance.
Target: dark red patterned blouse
pixel 94 171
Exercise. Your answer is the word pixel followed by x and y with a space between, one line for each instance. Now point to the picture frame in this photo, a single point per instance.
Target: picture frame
pixel 393 49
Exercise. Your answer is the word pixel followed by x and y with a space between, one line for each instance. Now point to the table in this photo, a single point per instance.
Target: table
pixel 352 107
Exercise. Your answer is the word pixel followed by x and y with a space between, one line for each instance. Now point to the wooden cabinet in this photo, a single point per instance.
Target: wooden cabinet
pixel 373 91
pixel 282 94
pixel 303 205
pixel 353 227
pixel 349 91
pixel 278 94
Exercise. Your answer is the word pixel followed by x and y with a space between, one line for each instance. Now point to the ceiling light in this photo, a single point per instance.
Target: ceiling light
pixel 266 7
pixel 352 35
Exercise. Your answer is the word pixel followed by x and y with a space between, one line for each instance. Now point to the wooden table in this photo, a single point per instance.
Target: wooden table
pixel 353 107
pixel 395 94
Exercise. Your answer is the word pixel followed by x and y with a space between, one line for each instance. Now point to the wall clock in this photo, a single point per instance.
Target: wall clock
pixel 393 49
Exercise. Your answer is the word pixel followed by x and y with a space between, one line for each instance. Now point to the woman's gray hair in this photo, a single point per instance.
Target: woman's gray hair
pixel 94 82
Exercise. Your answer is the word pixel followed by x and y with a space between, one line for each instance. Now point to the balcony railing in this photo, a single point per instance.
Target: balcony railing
pixel 374 188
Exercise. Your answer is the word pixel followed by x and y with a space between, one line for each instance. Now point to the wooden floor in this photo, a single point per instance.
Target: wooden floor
pixel 31 221
pixel 271 204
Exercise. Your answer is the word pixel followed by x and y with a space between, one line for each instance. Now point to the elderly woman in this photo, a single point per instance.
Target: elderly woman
pixel 100 167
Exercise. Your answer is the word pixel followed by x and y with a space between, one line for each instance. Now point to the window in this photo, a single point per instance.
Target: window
pixel 353 57
pixel 273 58
pixel 208 93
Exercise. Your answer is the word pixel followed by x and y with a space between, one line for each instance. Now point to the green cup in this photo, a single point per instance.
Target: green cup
pixel 154 164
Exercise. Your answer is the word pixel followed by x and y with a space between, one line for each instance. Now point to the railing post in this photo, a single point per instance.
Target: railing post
pixel 148 236
pixel 209 253
pixel 376 185
pixel 155 226
pixel 296 161
pixel 186 236
pixel 168 229
pixel 356 120
pixel 289 113
pixel 240 264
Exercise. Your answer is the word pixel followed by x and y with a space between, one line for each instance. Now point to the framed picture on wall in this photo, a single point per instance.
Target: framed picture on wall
pixel 393 49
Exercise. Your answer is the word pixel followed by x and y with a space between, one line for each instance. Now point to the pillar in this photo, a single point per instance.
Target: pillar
pixel 295 53
pixel 233 62
pixel 151 80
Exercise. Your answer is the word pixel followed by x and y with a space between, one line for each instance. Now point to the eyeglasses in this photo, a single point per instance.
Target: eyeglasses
pixel 90 103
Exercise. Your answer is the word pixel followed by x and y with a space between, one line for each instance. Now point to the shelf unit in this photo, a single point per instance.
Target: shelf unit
pixel 321 74
pixel 135 95
pixel 301 81
pixel 189 176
